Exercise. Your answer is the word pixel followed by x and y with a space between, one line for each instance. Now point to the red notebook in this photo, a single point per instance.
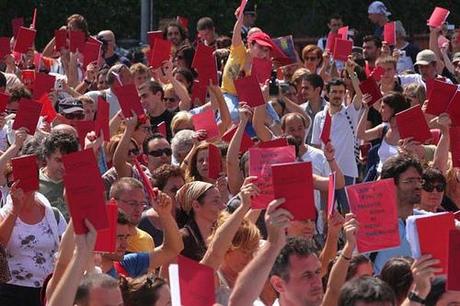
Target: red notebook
pixel 454 133
pixel 440 96
pixel 377 73
pixel 412 123
pixel 5 48
pixel 343 32
pixel 205 64
pixel 433 236
pixel 84 127
pixel 248 90
pixel 129 100
pixel 206 121
pixel 106 241
pixel 160 53
pixel 274 143
pixel 91 54
pixel 294 183
pixel 25 40
pixel 262 69
pixel 196 281
pixel 331 195
pixel 214 162
pixel 27 115
pixel 453 109
pixel 25 169
pixel 376 210
pixel 326 132
pixel 161 128
pixel 60 39
pixel 102 118
pixel 152 35
pixel 389 33
pixel 77 41
pixel 260 161
pixel 199 91
pixel 48 111
pixel 453 272
pixel 43 84
pixel 246 141
pixel 145 180
pixel 330 42
pixel 342 49
pixel 438 17
pixel 370 87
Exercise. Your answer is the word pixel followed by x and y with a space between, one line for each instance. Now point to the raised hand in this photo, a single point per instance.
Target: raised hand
pixel 350 228
pixel 84 244
pixel 423 271
pixel 248 191
pixel 277 220
pixel 17 195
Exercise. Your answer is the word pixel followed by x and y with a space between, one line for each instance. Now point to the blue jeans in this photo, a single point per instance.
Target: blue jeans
pixel 341 196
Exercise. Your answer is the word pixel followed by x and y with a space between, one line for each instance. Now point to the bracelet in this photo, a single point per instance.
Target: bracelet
pixel 329 160
pixel 345 257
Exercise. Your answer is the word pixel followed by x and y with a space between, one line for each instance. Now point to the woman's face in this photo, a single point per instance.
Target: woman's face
pixel 311 61
pixel 238 259
pixel 101 82
pixel 171 100
pixel 202 163
pixel 164 296
pixel 90 110
pixel 386 112
pixel 304 229
pixel 173 35
pixel 410 94
pixel 211 207
pixel 179 61
pixel 432 194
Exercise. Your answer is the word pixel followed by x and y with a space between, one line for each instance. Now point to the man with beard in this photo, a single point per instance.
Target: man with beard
pixel 371 52
pixel 407 174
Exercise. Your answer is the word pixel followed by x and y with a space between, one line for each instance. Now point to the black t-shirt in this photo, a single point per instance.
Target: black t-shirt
pixel 167 118
pixel 375 118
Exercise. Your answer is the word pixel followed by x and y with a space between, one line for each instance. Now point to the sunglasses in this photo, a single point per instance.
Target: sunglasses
pixel 310 58
pixel 169 99
pixel 430 187
pixel 160 152
pixel 75 116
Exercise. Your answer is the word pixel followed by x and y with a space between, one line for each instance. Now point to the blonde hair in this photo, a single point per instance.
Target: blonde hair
pixel 181 117
pixel 138 68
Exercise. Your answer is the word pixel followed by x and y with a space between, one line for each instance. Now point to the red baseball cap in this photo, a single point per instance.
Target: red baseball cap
pixel 262 39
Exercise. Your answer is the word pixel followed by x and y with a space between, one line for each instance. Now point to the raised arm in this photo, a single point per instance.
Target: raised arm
pixel 236 37
pixel 121 154
pixel 441 154
pixel 322 183
pixel 13 150
pixel 334 225
pixel 367 134
pixel 218 104
pixel 180 90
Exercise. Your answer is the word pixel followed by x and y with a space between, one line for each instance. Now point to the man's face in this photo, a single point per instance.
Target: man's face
pixel 259 51
pixel 428 72
pixel 12 107
pixel 159 153
pixel 307 91
pixel 55 166
pixel 207 35
pixel 374 18
pixel 409 187
pixel 105 297
pixel 389 73
pixel 249 19
pixel 304 286
pixel 173 35
pixel 121 243
pixel 370 51
pixel 336 94
pixel 174 183
pixel 132 201
pixel 148 98
pixel 335 24
pixel 295 127
pixel 457 70
pixel 125 76
pixel 140 78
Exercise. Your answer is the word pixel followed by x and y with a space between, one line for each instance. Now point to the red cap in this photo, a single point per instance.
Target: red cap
pixel 261 38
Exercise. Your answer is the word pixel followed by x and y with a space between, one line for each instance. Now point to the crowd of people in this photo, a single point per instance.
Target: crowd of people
pixel 259 256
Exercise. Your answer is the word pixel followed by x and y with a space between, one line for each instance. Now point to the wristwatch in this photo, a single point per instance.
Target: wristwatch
pixel 415 298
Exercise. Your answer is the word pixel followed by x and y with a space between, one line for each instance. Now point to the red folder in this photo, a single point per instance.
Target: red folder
pixel 83 127
pixel 262 69
pixel 248 90
pixel 453 109
pixel 454 133
pixel 91 54
pixel 260 161
pixel 4 98
pixel 370 87
pixel 199 91
pixel 206 121
pixel 214 162
pixel 204 62
pixel 43 84
pixel 160 53
pixel 326 132
pixel 242 6
pixel 183 21
pixel 389 33
pixel 453 271
pixel 412 123
pixel 376 210
pixel 438 17
pixel 342 49
pixel 24 40
pixel 27 115
pixel 440 96
pixel 48 110
pixel 330 42
pixel 274 143
pixel 129 100
pixel 161 128
pixel 34 19
pixel 102 118
pixel 16 23
pixel 145 180
pixel 77 41
pixel 246 141
pixel 331 195
pixel 294 183
pixel 5 48
pixel 25 169
pixel 60 39
pixel 433 236
pixel 377 73
pixel 196 283
pixel 106 241
pixel 343 32
pixel 152 36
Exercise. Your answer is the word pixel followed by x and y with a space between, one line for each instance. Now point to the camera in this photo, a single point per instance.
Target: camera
pixel 273 86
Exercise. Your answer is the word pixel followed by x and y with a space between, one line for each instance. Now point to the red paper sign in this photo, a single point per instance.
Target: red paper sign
pixel 342 49
pixel 330 43
pixel 370 87
pixel 16 23
pixel 214 162
pixel 412 123
pixel 152 36
pixel 196 283
pixel 48 110
pixel 440 96
pixel 375 207
pixel 377 73
pixel 262 69
pixel 389 33
pixel 204 62
pixel 206 121
pixel 84 127
pixel 453 109
pixel 24 40
pixel 102 118
pixel 274 143
pixel 183 21
pixel 106 241
pixel 438 17
pixel 248 90
pixel 343 32
pixel 199 91
pixel 260 161
pixel 5 48
pixel 25 169
pixel 331 195
pixel 27 115
pixel 43 84
pixel 145 180
pixel 91 54
pixel 326 132
pixel 454 133
pixel 160 53
pixel 77 41
pixel 129 100
pixel 453 272
pixel 294 183
pixel 60 39
pixel 246 141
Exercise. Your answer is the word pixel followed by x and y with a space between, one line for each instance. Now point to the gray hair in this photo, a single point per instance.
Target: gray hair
pixel 182 141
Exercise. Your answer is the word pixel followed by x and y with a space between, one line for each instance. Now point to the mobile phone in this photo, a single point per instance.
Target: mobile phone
pixel 273 86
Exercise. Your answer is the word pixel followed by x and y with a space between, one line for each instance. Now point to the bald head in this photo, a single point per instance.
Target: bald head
pixel 109 38
pixel 65 128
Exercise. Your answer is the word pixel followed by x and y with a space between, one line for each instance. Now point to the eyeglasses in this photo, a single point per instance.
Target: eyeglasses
pixel 169 99
pixel 310 58
pixel 160 152
pixel 74 116
pixel 413 181
pixel 134 151
pixel 431 187
pixel 134 204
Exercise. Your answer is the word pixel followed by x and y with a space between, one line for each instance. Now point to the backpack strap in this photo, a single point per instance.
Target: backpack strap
pixel 56 213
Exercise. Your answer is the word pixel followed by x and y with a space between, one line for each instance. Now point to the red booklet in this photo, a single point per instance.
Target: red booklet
pixel 206 121
pixel 440 96
pixel 248 90
pixel 106 241
pixel 438 17
pixel 199 91
pixel 43 84
pixel 60 39
pixel 214 162
pixel 152 36
pixel 262 69
pixel 454 133
pixel 376 210
pixel 25 40
pixel 102 118
pixel 25 169
pixel 330 43
pixel 389 33
pixel 196 281
pixel 5 48
pixel 453 109
pixel 160 53
pixel 453 271
pixel 294 183
pixel 370 87
pixel 77 41
pixel 48 111
pixel 377 73
pixel 326 132
pixel 27 115
pixel 260 161
pixel 412 123
pixel 129 100
pixel 343 32
pixel 342 49
pixel 331 195
pixel 274 143
pixel 145 180
pixel 246 141
pixel 84 127
pixel 91 54
pixel 205 64
pixel 161 128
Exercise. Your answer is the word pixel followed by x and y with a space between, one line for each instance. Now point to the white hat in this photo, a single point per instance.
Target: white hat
pixel 377 7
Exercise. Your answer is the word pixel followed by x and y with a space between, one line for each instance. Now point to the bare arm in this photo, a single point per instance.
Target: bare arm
pixel 441 154
pixel 13 150
pixel 329 251
pixel 121 155
pixel 236 37
pixel 180 90
pixel 218 103
pixel 367 134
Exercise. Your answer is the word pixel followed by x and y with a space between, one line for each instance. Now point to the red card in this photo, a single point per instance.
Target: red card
pixel 453 272
pixel 196 283
pixel 205 64
pixel 16 23
pixel 376 210
pixel 24 40
pixel 262 69
pixel 160 53
pixel 77 41
pixel 377 73
pixel 43 84
pixel 242 6
pixel 84 127
pixel 246 141
pixel 4 98
pixel 274 143
pixel 248 90
pixel 102 118
pixel 440 96
pixel 342 48
pixel 370 87
pixel 25 169
pixel 326 132
pixel 161 128
pixel 152 36
pixel 294 182
pixel 5 48
pixel 454 133
pixel 92 53
pixel 389 33
pixel 84 190
pixel 412 123
pixel 438 17
pixel 214 162
pixel 145 180
pixel 48 110
pixel 206 121
pixel 106 241
pixel 453 109
pixel 183 21
pixel 129 100
pixel 343 32
pixel 330 43
pixel 28 78
pixel 433 236
pixel 27 115
pixel 34 19
pixel 199 91
pixel 60 39
pixel 331 195
pixel 260 161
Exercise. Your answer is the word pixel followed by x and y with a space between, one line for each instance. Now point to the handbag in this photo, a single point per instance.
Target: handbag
pixel 5 275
